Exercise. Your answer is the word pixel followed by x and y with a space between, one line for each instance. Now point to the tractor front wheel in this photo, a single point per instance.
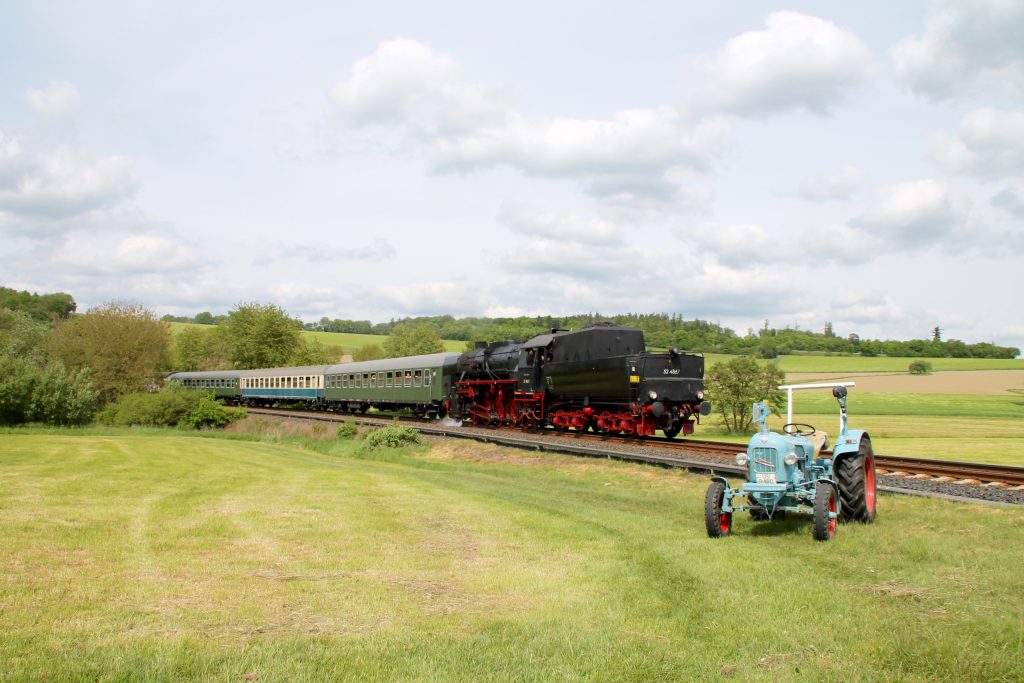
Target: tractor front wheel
pixel 717 522
pixel 824 503
pixel 855 475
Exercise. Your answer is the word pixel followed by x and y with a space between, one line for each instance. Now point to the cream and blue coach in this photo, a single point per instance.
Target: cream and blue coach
pixel 266 386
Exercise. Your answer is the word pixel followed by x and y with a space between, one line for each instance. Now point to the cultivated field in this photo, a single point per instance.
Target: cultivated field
pixel 969 411
pixel 159 556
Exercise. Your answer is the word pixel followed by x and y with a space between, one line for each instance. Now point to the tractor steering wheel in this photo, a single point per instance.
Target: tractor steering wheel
pixel 799 429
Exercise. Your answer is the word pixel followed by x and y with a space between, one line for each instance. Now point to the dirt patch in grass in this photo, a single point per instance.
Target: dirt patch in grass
pixel 283 427
pixel 949 382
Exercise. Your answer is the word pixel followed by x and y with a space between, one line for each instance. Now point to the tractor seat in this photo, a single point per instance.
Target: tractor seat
pixel 820 442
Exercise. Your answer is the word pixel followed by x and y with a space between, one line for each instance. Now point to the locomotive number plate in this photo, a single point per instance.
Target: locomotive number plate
pixel 766 478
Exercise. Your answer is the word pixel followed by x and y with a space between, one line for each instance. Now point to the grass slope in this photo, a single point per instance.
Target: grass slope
pixel 144 556
pixel 348 342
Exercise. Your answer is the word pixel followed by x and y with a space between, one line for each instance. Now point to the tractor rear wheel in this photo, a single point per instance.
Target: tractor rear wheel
pixel 717 522
pixel 824 503
pixel 855 475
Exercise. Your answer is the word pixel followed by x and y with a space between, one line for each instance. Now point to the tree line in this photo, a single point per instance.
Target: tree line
pixel 667 330
pixel 61 367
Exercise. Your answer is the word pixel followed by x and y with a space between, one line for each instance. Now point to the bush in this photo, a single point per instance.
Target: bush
pixel 392 436
pixel 920 367
pixel 175 406
pixel 347 430
pixel 208 412
pixel 51 394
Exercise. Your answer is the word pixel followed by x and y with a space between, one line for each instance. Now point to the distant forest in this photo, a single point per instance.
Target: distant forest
pixel 667 330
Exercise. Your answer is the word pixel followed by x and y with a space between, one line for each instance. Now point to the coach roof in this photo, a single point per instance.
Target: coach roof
pixel 432 360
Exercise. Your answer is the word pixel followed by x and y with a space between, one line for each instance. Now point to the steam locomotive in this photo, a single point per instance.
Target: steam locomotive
pixel 600 377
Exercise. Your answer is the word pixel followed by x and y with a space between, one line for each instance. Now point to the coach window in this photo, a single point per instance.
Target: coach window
pixel 389 379
pixel 417 378
pixel 408 378
pixel 426 378
pixel 373 380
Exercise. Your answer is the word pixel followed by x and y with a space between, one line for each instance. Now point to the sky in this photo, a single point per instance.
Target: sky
pixel 854 163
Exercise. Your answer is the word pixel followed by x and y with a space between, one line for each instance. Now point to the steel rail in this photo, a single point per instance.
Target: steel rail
pixel 694 453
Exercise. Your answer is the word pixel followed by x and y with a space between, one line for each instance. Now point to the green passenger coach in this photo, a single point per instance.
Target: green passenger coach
pixel 419 383
pixel 223 383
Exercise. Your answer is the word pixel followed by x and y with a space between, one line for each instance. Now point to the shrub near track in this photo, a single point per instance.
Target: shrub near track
pixel 156 556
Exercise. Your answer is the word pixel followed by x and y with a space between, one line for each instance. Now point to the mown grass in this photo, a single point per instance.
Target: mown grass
pixel 150 556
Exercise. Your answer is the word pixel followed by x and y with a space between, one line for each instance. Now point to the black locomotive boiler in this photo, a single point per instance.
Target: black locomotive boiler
pixel 600 377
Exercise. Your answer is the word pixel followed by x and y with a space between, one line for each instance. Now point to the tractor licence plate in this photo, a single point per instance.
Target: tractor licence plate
pixel 766 478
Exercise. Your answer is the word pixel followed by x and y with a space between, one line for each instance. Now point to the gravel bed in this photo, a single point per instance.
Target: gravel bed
pixel 626 448
pixel 992 494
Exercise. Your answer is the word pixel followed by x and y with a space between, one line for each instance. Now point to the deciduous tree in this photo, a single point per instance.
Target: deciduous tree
pixel 123 344
pixel 733 386
pixel 368 352
pixel 411 340
pixel 262 335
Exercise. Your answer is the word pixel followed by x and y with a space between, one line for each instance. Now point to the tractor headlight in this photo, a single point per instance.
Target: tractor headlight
pixel 742 459
pixel 790 458
pixel 653 395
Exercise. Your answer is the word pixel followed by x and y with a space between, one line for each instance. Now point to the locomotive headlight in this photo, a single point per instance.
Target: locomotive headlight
pixel 742 459
pixel 790 458
pixel 653 395
pixel 700 395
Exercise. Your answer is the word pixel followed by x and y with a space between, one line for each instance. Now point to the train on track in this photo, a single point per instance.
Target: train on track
pixel 598 378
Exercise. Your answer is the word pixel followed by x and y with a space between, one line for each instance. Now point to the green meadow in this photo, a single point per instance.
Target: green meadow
pixel 348 342
pixel 159 556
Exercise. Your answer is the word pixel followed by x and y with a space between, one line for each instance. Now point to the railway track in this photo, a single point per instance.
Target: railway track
pixel 693 454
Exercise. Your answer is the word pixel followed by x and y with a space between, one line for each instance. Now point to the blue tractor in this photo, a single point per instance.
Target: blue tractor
pixel 795 472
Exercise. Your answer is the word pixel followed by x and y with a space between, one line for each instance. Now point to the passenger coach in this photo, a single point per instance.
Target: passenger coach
pixel 223 383
pixel 266 386
pixel 419 383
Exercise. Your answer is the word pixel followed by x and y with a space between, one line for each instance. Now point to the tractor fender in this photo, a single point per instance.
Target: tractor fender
pixel 718 477
pixel 847 444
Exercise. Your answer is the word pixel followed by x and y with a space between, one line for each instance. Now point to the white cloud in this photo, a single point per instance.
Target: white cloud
pixel 1011 200
pixel 130 254
pixel 629 158
pixel 553 226
pixel 48 185
pixel 862 306
pixel 918 213
pixel 379 250
pixel 406 82
pixel 796 62
pixel 838 185
pixel 740 246
pixel 990 143
pixel 967 46
pixel 425 298
pixel 57 101
pixel 634 142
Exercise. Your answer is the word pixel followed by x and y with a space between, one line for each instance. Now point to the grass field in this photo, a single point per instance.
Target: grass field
pixel 348 342
pixel 151 556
